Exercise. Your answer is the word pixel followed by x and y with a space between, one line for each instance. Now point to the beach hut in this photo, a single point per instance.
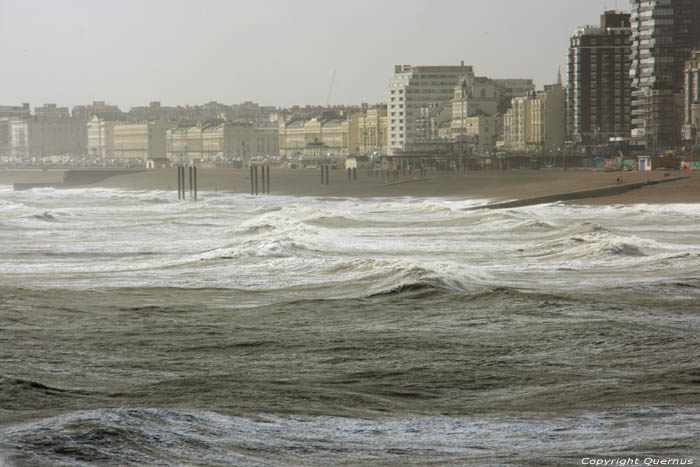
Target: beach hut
pixel 157 163
pixel 644 163
pixel 356 162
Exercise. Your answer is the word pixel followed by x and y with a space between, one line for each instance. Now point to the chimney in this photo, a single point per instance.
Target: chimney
pixel 462 63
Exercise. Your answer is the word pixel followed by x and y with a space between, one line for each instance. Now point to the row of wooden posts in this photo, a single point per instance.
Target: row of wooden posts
pixel 264 177
pixel 181 182
pixel 264 171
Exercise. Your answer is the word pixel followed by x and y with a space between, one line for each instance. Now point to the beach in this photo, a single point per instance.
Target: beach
pixel 488 185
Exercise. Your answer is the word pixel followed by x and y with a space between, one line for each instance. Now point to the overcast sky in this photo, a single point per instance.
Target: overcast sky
pixel 274 52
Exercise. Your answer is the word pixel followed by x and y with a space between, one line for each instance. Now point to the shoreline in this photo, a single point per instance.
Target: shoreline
pixel 516 187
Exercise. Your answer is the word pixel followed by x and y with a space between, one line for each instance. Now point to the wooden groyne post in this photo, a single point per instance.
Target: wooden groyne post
pixel 194 172
pixel 256 179
pixel 179 187
pixel 189 173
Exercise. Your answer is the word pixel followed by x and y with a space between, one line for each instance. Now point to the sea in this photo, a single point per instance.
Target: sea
pixel 136 329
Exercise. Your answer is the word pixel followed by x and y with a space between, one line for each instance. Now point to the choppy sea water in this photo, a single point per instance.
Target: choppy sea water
pixel 137 330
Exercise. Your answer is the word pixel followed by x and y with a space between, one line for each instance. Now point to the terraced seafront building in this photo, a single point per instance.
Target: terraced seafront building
pixel 664 32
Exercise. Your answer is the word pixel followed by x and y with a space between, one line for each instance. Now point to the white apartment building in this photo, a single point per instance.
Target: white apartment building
pixel 100 138
pixel 42 137
pixel 413 88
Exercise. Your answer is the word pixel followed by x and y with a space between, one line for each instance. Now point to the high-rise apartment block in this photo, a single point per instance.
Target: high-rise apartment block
pixel 413 88
pixel 664 32
pixel 599 94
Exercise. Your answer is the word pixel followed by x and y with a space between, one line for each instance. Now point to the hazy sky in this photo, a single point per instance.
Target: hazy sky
pixel 274 52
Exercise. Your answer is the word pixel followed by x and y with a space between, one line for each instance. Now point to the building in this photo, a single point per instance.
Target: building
pixel 266 139
pixel 43 137
pixel 248 112
pixel 515 87
pixel 433 123
pixel 599 92
pixel 545 126
pixel 317 137
pixel 15 111
pixel 372 134
pixel 691 94
pixel 514 123
pixel 474 97
pixel 185 142
pixel 664 32
pixel 413 88
pixel 8 113
pixel 97 109
pixel 100 138
pixel 139 141
pixel 537 122
pixel 51 111
pixel 484 131
pixel 221 140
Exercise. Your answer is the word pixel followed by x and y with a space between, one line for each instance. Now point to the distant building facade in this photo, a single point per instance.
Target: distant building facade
pixel 144 140
pixel 537 122
pixel 515 87
pixel 248 112
pixel 413 88
pixel 599 91
pixel 100 138
pixel 97 109
pixel 15 111
pixel 372 134
pixel 8 113
pixel 484 131
pixel 51 111
pixel 225 140
pixel 318 137
pixel 691 94
pixel 42 137
pixel 664 32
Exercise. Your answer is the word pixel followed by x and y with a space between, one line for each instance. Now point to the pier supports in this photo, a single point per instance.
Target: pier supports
pixel 194 169
pixel 264 179
pixel 191 184
pixel 324 175
pixel 256 180
pixel 181 182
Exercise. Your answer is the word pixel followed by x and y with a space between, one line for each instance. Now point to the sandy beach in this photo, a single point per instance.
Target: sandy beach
pixel 491 185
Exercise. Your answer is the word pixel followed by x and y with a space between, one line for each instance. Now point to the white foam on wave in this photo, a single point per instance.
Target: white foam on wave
pixel 351 245
pixel 156 436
